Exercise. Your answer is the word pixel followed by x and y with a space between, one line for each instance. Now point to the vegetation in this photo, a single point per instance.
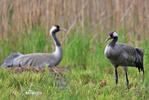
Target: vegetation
pixel 91 77
pixel 25 28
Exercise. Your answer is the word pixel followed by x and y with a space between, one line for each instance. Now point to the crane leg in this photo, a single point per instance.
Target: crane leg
pixel 143 75
pixel 116 76
pixel 127 81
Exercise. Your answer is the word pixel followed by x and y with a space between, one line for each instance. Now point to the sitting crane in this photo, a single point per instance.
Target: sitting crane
pixel 38 59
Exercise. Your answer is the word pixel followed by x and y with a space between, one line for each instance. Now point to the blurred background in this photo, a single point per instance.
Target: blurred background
pixel 25 24
pixel 96 16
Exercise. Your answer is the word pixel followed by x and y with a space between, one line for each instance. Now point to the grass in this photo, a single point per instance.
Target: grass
pixel 84 54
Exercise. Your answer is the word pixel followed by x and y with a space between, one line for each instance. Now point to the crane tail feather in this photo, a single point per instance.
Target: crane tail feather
pixel 8 62
pixel 139 61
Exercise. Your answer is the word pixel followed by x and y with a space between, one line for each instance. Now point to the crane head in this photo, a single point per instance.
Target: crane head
pixel 112 35
pixel 56 28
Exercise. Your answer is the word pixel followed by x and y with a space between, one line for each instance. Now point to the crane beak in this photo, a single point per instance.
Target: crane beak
pixel 108 39
pixel 62 29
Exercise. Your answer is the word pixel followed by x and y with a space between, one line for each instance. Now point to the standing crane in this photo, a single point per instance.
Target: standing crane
pixel 124 55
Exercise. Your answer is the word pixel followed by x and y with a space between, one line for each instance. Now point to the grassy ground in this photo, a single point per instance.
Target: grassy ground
pixel 91 77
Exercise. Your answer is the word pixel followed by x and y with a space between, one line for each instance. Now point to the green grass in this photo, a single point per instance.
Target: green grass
pixel 84 54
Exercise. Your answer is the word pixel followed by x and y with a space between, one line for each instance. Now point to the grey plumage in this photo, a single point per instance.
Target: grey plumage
pixel 124 55
pixel 9 60
pixel 37 59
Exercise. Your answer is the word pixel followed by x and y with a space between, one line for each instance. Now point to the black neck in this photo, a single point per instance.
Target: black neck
pixel 55 39
pixel 112 43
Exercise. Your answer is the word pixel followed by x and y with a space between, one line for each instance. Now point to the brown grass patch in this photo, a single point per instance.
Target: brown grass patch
pixel 56 70
pixel 103 83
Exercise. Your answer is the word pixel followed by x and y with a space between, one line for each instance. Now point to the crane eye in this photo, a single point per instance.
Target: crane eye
pixel 111 34
pixel 57 26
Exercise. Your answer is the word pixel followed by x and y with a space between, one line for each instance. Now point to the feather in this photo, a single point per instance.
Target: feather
pixel 9 60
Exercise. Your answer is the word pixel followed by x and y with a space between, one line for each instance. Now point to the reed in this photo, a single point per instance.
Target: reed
pixel 17 16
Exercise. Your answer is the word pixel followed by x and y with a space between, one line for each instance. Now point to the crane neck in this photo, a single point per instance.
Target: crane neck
pixel 58 49
pixel 112 43
pixel 56 41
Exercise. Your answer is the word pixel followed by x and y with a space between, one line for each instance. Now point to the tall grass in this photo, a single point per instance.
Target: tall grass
pixel 84 54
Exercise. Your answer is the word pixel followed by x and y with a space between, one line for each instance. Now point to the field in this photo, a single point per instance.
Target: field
pixel 88 75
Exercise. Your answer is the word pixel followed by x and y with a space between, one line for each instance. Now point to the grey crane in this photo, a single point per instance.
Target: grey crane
pixel 38 59
pixel 123 55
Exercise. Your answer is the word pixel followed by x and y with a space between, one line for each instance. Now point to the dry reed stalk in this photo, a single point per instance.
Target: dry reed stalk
pixel 19 15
